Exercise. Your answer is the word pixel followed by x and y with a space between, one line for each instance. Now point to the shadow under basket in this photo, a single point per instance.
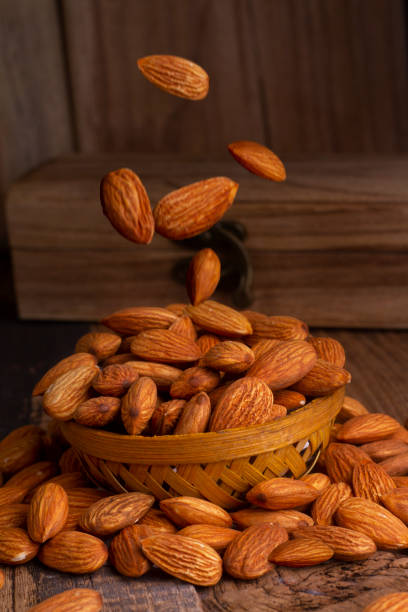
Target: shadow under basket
pixel 218 466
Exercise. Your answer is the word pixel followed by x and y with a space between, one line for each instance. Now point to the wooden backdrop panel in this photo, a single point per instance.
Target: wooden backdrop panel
pixel 309 76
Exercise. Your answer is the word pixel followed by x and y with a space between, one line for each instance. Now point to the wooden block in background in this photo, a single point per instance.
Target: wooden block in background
pixel 330 245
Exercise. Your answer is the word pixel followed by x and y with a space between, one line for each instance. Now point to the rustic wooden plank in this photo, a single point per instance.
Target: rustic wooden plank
pixel 117 109
pixel 35 120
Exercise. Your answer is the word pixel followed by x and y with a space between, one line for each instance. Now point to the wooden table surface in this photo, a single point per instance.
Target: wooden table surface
pixel 378 362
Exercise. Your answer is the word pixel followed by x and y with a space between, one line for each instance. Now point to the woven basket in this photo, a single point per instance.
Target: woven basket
pixel 219 466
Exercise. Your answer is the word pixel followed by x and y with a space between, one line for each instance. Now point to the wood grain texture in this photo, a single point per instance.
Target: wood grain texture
pixel 330 245
pixel 308 76
pixel 35 120
pixel 377 363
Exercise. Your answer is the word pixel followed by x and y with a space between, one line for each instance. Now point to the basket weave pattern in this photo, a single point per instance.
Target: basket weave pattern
pixel 220 467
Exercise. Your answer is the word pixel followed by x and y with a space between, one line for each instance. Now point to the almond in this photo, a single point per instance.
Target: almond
pixel 97 411
pixel 229 356
pixel 329 350
pixel 348 545
pixel 47 513
pixel 125 551
pixel 12 495
pixel 319 481
pixel 289 519
pixel 400 434
pixel 62 367
pixel 69 461
pixel 325 506
pixel 396 466
pixel 205 342
pixel 301 552
pixel 183 511
pixel 157 520
pixel 290 399
pixel 119 358
pixel 281 494
pixel 219 319
pixel 247 555
pixel 261 346
pixel 69 480
pixel 371 481
pixel 396 502
pixel 195 415
pixel 20 448
pixel 113 513
pixel 393 602
pixel 384 449
pixel 203 275
pixel 284 364
pixel 16 547
pixel 175 75
pixel 100 344
pixel 179 308
pixel 81 498
pixel 134 320
pixel 364 515
pixel 63 397
pixel 351 408
pixel 33 475
pixel 340 460
pixel 74 552
pixel 72 600
pixel 248 401
pixel 276 327
pixel 322 379
pixel 258 159
pixel 184 558
pixel 163 375
pixel 215 536
pixel 367 428
pixel 165 417
pixel 183 326
pixel 164 345
pixel 126 204
pixel 114 380
pixel 400 481
pixel 195 208
pixel 192 381
pixel 138 404
pixel 13 515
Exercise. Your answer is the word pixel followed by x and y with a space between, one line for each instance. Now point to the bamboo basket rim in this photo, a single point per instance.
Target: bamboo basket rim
pixel 208 447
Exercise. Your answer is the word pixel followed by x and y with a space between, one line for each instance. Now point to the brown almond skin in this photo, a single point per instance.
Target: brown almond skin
pixel 74 552
pixel 163 375
pixel 72 600
pixel 384 449
pixel 165 417
pixel 192 381
pixel 126 204
pixel 258 159
pixel 281 494
pixel 348 545
pixel 33 475
pixel 400 481
pixel 364 515
pixel 302 552
pixel 12 495
pixel 125 551
pixel 203 276
pixel 247 401
pixel 396 466
pixel 165 346
pixel 284 364
pixel 319 481
pixel 184 510
pixel 195 415
pixel 183 326
pixel 113 513
pixel 396 503
pixel 157 520
pixel 276 327
pixel 69 461
pixel 288 519
pixel 292 400
pixel 220 319
pixel 193 209
pixel 340 460
pixel 47 513
pixel 20 448
pixel 329 350
pixel 367 428
pixel 138 405
pixel 184 558
pixel 97 411
pixel 114 380
pixel 63 397
pixel 371 481
pixel 175 75
pixel 393 602
pixel 100 344
pixel 129 321
pixel 13 515
pixel 351 408
pixel 205 343
pixel 65 365
pixel 261 346
pixel 16 547
pixel 322 379
pixel 247 555
pixel 215 536
pixel 325 506
pixel 229 356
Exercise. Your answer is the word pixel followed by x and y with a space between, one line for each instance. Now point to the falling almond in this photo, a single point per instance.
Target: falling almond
pixel 258 159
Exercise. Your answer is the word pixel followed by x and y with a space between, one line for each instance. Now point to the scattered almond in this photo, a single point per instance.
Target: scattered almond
pixel 203 276
pixel 175 75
